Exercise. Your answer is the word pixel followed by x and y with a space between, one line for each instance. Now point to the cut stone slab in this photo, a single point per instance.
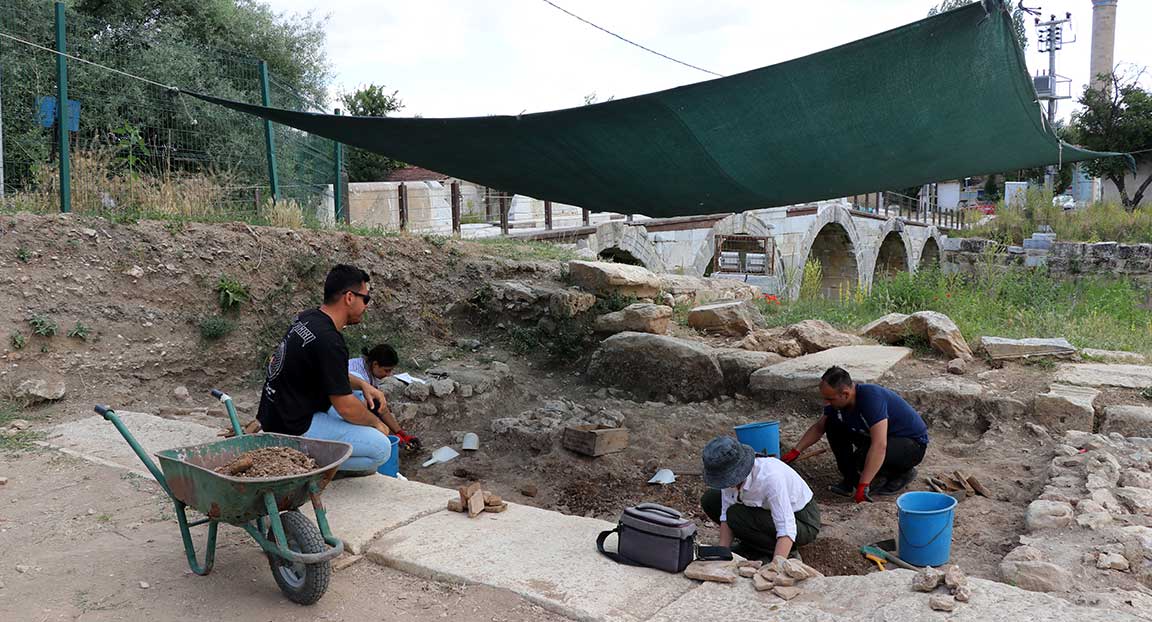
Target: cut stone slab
pixel 1104 375
pixel 697 290
pixel 1047 515
pixel 729 317
pixel 864 363
pixel 738 365
pixel 606 278
pixel 1137 500
pixel 496 550
pixel 1113 356
pixel 818 335
pixel 97 440
pixel 362 508
pixel 875 597
pixel 657 366
pixel 941 332
pixel 1128 420
pixel 1001 348
pixel 887 329
pixel 1065 407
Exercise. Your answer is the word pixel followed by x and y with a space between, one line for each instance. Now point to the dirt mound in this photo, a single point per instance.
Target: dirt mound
pixel 833 556
pixel 269 462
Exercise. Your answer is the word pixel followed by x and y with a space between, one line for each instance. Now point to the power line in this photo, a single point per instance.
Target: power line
pixel 629 41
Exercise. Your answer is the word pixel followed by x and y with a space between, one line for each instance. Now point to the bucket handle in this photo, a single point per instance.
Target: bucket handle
pixel 930 540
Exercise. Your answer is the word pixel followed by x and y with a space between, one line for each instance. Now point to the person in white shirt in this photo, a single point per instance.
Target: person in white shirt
pixel 375 364
pixel 760 502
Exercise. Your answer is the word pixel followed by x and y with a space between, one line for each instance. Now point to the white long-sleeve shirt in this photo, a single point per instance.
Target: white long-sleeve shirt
pixel 774 486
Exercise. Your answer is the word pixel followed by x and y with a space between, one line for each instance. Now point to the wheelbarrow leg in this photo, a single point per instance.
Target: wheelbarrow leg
pixel 190 548
pixel 321 515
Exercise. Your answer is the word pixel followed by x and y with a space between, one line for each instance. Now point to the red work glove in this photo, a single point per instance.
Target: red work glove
pixel 408 441
pixel 861 493
pixel 790 456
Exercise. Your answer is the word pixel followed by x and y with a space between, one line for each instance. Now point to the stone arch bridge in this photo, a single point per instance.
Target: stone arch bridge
pixel 770 247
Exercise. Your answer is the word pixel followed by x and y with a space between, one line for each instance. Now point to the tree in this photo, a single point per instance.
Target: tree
pixel 370 101
pixel 1117 118
pixel 1017 17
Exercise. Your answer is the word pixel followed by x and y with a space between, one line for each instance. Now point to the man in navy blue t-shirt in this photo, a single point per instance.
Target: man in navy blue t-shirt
pixel 872 432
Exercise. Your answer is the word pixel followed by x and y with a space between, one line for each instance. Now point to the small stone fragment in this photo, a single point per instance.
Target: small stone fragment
pixel 794 569
pixel 718 571
pixel 144 585
pixel 22 568
pixel 787 593
pixel 942 602
pixel 3 481
pixel 181 393
pixel 785 581
pixel 454 505
pixel 747 572
pixel 496 509
pixel 760 583
pixel 954 577
pixel 345 561
pixel 927 579
pixel 491 499
pixel 963 593
pixel 529 490
pixel 754 564
pixel 476 504
pixel 1112 561
pixel 957 366
pixel 769 573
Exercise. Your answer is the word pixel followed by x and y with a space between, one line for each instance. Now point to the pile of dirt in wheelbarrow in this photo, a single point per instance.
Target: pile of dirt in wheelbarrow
pixel 269 462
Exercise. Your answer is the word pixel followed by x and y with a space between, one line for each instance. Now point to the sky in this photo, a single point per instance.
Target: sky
pixel 457 58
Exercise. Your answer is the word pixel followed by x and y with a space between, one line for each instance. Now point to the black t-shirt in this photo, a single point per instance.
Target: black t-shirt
pixel 310 364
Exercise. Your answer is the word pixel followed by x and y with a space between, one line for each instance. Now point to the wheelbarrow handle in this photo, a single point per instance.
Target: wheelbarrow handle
pixel 217 393
pixel 102 410
pixel 227 400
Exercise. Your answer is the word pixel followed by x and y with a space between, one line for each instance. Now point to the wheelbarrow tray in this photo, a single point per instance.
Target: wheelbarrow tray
pixel 191 475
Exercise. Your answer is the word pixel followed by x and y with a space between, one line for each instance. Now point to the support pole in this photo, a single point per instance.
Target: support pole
pixel 502 201
pixel 269 137
pixel 338 185
pixel 62 111
pixel 403 193
pixel 455 208
pixel 548 215
pixel 587 215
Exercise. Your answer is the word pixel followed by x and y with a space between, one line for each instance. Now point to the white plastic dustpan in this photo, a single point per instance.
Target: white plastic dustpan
pixel 442 454
pixel 663 476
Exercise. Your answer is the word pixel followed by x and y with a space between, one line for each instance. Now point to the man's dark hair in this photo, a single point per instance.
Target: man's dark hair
pixel 383 355
pixel 343 278
pixel 837 378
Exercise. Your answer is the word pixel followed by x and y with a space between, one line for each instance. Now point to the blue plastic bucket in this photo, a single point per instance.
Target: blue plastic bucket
pixel 763 437
pixel 924 535
pixel 391 467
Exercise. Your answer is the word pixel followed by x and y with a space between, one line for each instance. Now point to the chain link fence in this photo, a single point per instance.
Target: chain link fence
pixel 139 149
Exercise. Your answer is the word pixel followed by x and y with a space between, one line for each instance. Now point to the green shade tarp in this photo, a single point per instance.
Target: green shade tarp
pixel 942 98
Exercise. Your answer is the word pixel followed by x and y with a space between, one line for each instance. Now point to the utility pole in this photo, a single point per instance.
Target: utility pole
pixel 1050 39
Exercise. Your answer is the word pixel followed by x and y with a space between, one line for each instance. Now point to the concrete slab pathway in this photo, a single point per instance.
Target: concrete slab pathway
pixel 1103 374
pixel 546 557
pixel 97 440
pixel 361 509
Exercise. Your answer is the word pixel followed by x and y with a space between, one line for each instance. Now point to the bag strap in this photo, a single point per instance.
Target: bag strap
pixel 616 557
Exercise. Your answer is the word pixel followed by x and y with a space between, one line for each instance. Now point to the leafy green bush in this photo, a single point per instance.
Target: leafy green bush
pixel 42 325
pixel 214 327
pixel 18 340
pixel 80 331
pixel 231 293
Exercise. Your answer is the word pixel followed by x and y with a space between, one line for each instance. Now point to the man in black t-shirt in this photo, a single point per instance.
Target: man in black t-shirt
pixel 308 391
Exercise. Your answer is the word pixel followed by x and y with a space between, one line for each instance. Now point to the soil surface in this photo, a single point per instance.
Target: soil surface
pixel 269 462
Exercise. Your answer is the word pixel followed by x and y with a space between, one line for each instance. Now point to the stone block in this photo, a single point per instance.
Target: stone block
pixel 1101 374
pixel 1047 515
pixel 1001 348
pixel 1065 407
pixel 730 317
pixel 1128 420
pixel 639 317
pixel 802 374
pixel 608 278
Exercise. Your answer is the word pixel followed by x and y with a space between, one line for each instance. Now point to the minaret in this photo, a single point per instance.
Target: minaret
pixel 1103 40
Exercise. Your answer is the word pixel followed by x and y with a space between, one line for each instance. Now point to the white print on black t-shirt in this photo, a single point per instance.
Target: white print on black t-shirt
pixel 300 329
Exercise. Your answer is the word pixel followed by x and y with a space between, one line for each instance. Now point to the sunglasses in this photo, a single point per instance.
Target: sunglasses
pixel 367 298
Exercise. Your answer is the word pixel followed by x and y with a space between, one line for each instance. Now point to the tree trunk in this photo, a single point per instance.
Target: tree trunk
pixel 1124 200
pixel 1136 198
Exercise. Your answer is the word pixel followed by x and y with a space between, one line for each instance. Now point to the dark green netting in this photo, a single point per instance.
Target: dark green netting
pixel 942 98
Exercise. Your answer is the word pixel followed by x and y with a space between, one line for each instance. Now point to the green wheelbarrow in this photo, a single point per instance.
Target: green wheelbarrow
pixel 299 553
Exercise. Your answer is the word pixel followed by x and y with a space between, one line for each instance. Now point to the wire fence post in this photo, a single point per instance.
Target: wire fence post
pixel 403 196
pixel 502 200
pixel 455 208
pixel 338 185
pixel 269 137
pixel 62 111
pixel 586 215
pixel 548 215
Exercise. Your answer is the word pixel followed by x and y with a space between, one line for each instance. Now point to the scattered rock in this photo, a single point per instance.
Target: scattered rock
pixel 1113 356
pixel 954 577
pixel 963 593
pixel 443 387
pixel 541 427
pixel 936 328
pixel 570 303
pixel 958 367
pixel 738 365
pixel 1137 500
pixel 730 317
pixel 418 391
pixel 1128 420
pixel 695 290
pixel 19 424
pixel 772 341
pixel 1000 348
pixel 1065 407
pixel 23 568
pixel 927 579
pixel 3 481
pixel 529 490
pixel 1047 515
pixel 1112 561
pixel 1024 567
pixel 760 583
pixel 887 329
pixel 787 593
pixel 474 344
pixel 747 572
pixel 135 272
pixel 941 602
pixel 755 564
pixel 144 585
pixel 1136 479
pixel 660 365
pixel 181 393
pixel 818 335
pixel 784 580
pixel 640 317
pixel 607 278
pixel 717 571
pixel 34 390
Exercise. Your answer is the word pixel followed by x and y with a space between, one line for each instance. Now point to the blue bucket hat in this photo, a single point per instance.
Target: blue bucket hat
pixel 727 462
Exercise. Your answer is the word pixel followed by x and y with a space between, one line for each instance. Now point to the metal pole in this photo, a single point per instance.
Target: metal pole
pixel 403 196
pixel 455 208
pixel 587 214
pixel 62 111
pixel 548 215
pixel 269 137
pixel 502 202
pixel 338 185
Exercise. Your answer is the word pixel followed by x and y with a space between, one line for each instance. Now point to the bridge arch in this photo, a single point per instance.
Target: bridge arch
pixel 624 243
pixel 833 240
pixel 894 252
pixel 746 223
pixel 930 255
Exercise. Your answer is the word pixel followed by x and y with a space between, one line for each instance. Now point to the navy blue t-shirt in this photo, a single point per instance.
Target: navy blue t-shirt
pixel 874 404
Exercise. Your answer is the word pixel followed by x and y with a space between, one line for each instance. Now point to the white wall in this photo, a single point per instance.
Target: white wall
pixel 1112 195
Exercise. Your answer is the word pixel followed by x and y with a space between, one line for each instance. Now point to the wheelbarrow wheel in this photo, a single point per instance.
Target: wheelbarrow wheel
pixel 301 583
